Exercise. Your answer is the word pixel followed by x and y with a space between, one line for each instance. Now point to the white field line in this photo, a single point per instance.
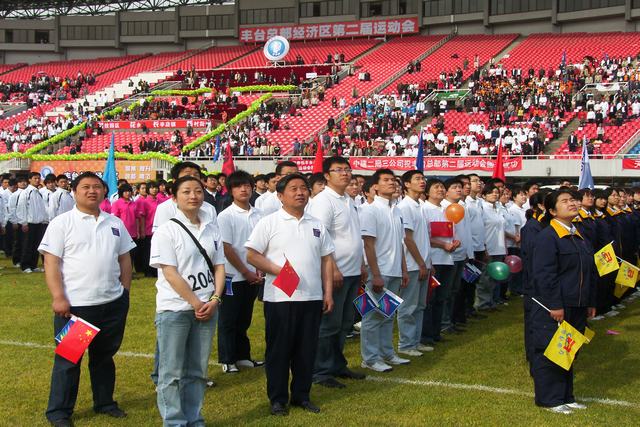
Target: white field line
pixel 388 380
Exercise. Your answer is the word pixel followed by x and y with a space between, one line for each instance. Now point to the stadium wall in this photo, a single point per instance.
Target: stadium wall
pixel 192 27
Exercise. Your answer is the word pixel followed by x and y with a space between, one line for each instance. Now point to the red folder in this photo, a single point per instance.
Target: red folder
pixel 442 229
pixel 287 280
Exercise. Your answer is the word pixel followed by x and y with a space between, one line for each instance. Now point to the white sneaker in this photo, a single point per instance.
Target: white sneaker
pixel 16 265
pixel 38 270
pixel 357 326
pixel 246 363
pixel 230 368
pixel 561 409
pixel 377 366
pixel 576 405
pixel 611 313
pixel 28 270
pixel 410 352
pixel 619 306
pixel 600 317
pixel 395 360
pixel 424 348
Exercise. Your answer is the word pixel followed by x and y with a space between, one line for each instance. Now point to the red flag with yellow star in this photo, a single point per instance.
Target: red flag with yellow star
pixel 76 340
pixel 287 280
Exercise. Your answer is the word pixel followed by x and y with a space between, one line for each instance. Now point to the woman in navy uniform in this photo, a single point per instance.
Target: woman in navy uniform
pixel 527 238
pixel 565 283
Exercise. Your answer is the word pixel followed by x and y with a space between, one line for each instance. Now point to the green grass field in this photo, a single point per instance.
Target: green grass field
pixel 476 378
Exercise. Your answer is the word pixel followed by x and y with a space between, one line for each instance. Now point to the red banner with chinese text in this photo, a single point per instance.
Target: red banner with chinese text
pixel 630 163
pixel 335 30
pixel 154 124
pixel 434 163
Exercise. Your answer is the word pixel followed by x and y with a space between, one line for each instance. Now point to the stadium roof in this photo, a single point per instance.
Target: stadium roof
pixel 31 9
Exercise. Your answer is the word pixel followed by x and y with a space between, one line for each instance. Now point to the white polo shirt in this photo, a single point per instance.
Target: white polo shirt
pixel 268 203
pixel 412 220
pixel 461 232
pixel 89 248
pixel 340 217
pixel 383 220
pixel 474 215
pixel 433 213
pixel 303 242
pixel 168 209
pixel 513 223
pixel 171 245
pixel 236 225
pixel 494 224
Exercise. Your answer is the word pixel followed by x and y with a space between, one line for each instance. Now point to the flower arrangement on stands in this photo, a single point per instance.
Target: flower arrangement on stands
pixel 103 156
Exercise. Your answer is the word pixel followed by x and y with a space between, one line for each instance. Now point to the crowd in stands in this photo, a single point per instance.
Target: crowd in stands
pixel 42 88
pixel 34 130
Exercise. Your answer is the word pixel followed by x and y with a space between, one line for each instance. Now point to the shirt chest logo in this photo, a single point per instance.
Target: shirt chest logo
pixel 115 231
pixel 316 232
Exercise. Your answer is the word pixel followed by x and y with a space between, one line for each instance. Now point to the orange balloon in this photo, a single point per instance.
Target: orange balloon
pixel 454 213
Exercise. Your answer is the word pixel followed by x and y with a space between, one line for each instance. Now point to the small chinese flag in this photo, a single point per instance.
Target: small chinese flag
pixel 287 280
pixel 442 229
pixel 564 345
pixel 76 340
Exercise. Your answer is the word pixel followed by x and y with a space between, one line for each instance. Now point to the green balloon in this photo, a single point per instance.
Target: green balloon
pixel 498 271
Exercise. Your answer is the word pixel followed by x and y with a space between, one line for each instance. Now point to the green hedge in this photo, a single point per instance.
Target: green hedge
pixel 263 88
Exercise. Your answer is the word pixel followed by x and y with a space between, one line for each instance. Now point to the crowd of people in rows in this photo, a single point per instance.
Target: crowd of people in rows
pixel 305 246
pixel 43 88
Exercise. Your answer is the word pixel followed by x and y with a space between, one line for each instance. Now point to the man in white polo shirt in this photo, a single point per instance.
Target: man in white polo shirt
pixel 382 232
pixel 337 211
pixel 236 223
pixel 416 253
pixel 269 202
pixel 99 294
pixel 292 323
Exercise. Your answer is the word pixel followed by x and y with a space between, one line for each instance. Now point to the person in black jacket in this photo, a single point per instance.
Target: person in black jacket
pixel 564 281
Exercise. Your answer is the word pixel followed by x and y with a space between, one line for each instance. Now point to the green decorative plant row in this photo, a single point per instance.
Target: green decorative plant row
pixel 89 156
pixel 55 139
pixel 255 105
pixel 194 92
pixel 263 88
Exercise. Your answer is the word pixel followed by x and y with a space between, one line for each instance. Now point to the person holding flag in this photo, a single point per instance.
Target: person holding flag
pixel 99 295
pixel 295 251
pixel 564 289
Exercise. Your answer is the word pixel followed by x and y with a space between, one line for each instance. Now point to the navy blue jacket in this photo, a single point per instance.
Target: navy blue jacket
pixel 564 273
pixel 528 235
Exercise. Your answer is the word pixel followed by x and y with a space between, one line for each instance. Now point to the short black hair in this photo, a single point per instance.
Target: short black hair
pixel 334 160
pixel 315 178
pixel 237 179
pixel 178 182
pixel 179 167
pixel 260 177
pixel 50 178
pixel 527 185
pixel 86 175
pixel 61 176
pixel 123 188
pixel 491 185
pixel 375 178
pixel 33 174
pixel 408 176
pixel 12 182
pixel 152 184
pixel 268 177
pixel 121 181
pixel 366 187
pixel 452 181
pixel 282 184
pixel 284 164
pixel 430 183
pixel 21 178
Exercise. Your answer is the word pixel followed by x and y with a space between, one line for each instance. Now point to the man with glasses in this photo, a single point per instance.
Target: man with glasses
pixel 336 210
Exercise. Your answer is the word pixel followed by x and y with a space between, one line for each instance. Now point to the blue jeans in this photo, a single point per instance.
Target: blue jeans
pixel 334 327
pixel 411 312
pixel 184 345
pixel 376 331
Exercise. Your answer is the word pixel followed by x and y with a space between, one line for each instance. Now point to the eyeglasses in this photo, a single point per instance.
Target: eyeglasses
pixel 340 171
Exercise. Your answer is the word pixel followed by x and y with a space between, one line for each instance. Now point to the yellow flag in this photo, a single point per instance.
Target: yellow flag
pixel 627 275
pixel 564 345
pixel 606 260
pixel 589 334
pixel 619 290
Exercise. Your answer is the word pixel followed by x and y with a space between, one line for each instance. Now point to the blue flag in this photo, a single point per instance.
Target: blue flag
pixel 216 153
pixel 586 180
pixel 420 155
pixel 109 175
pixel 389 303
pixel 364 303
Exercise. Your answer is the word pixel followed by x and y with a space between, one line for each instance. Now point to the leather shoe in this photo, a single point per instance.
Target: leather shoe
pixel 279 409
pixel 351 375
pixel 331 383
pixel 114 412
pixel 307 406
pixel 62 422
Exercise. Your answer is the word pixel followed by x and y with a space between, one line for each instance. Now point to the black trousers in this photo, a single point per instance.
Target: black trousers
pixel 234 321
pixel 30 242
pixel 146 254
pixel 65 376
pixel 137 256
pixel 553 384
pixel 7 241
pixel 18 241
pixel 291 331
